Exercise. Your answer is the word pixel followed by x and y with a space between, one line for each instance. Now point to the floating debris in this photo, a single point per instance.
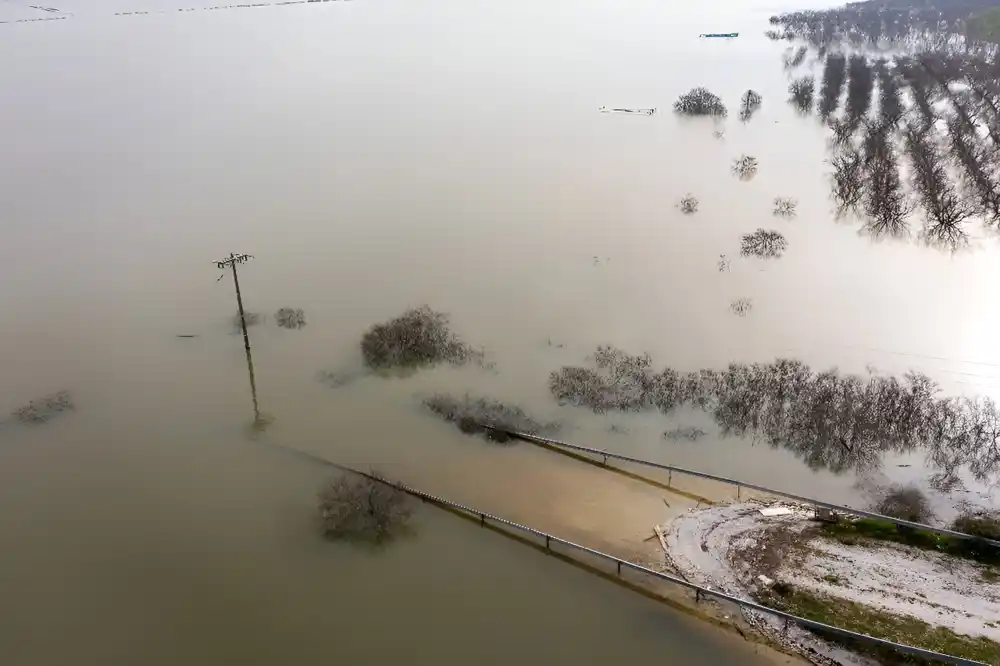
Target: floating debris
pixel 418 337
pixel 689 433
pixel 700 102
pixel 616 429
pixel 44 409
pixel 719 134
pixel 475 416
pixel 785 207
pixel 745 167
pixel 644 112
pixel 763 244
pixel 290 318
pixel 749 105
pixel 725 35
pixel 741 307
pixel 688 204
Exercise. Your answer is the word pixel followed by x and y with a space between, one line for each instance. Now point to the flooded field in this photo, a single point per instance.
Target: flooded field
pixel 376 156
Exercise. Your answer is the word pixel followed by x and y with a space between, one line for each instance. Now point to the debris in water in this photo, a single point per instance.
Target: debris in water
pixel 745 167
pixel 418 337
pixel 290 318
pixel 44 409
pixel 726 35
pixel 477 416
pixel 644 112
pixel 340 378
pixel 763 244
pixel 688 204
pixel 700 102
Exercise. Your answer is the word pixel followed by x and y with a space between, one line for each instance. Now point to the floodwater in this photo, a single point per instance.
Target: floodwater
pixel 374 155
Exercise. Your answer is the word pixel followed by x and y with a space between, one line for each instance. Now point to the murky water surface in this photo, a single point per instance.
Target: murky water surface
pixel 375 155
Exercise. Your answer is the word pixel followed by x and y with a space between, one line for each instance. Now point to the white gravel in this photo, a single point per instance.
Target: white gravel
pixel 712 546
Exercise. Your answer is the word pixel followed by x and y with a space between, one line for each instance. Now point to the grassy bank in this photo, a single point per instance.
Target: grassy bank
pixel 897 628
pixel 851 532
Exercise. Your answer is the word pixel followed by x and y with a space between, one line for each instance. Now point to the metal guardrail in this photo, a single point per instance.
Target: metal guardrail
pixel 698 589
pixel 620 563
pixel 609 455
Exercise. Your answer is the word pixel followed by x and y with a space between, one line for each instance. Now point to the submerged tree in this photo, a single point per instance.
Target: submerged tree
pixel 890 97
pixel 688 204
pixel 785 207
pixel 367 508
pixel 749 105
pixel 980 177
pixel 830 420
pixel 860 84
pixel 834 75
pixel 45 408
pixel 945 209
pixel 489 418
pixel 848 179
pixel 885 203
pixel 700 102
pixel 763 244
pixel 418 337
pixel 290 317
pixel 796 58
pixel 745 167
pixel 801 93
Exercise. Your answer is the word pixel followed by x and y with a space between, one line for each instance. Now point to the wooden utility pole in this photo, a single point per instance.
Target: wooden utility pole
pixel 231 263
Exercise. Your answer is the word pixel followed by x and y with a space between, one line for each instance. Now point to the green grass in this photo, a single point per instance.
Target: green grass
pixel 985 25
pixel 898 628
pixel 852 532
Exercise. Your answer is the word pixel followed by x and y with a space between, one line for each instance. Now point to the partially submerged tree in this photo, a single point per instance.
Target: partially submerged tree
pixel 763 244
pixel 688 204
pixel 251 319
pixel 848 180
pixel 749 105
pixel 980 176
pixel 365 508
pixel 801 93
pixel 834 75
pixel 785 207
pixel 44 409
pixel 741 307
pixel 290 317
pixel 945 209
pixel 861 82
pixel 795 58
pixel 905 503
pixel 489 418
pixel 745 167
pixel 885 203
pixel 700 102
pixel 418 337
pixel 890 96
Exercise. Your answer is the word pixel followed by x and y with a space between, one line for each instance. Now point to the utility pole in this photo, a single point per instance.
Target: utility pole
pixel 231 263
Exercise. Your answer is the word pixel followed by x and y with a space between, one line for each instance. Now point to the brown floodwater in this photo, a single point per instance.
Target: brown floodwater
pixel 375 155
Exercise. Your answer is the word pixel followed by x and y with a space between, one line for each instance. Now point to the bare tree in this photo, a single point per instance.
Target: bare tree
pixel 860 84
pixel 801 93
pixel 834 75
pixel 366 508
pixel 945 209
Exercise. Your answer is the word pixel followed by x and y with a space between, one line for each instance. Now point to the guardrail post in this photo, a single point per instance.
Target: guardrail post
pixel 670 478
pixel 697 595
pixel 738 487
pixel 605 461
pixel 482 520
pixel 547 537
pixel 619 567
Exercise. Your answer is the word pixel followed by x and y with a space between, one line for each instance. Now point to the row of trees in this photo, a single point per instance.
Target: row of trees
pixel 829 420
